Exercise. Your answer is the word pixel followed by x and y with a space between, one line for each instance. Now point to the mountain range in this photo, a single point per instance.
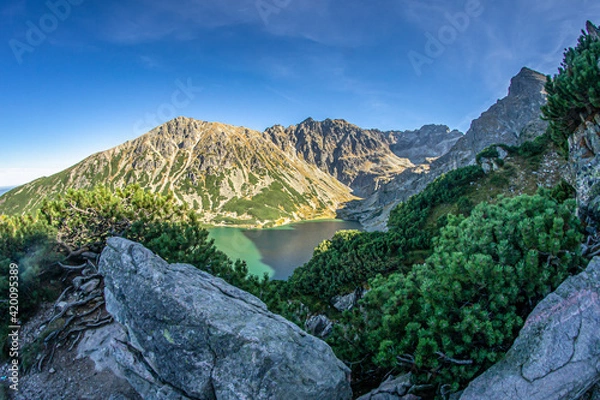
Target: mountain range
pixel 316 169
pixel 512 121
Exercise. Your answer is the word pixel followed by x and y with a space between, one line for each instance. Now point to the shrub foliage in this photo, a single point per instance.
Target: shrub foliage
pixel 574 93
pixel 470 298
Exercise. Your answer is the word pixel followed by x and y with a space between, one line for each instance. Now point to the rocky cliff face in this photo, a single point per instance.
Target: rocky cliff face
pixel 512 121
pixel 184 334
pixel 424 145
pixel 359 158
pixel 584 159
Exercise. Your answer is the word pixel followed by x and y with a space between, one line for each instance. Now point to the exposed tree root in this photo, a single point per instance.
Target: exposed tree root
pixel 75 311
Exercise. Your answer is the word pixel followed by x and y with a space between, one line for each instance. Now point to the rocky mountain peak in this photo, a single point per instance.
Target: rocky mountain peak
pixel 526 83
pixel 359 158
pixel 512 121
pixel 327 124
pixel 425 144
pixel 225 172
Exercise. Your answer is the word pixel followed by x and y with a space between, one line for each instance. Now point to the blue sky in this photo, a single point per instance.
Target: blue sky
pixel 81 76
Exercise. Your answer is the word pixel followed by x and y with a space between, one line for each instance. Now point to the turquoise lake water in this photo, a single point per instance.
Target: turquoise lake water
pixel 276 251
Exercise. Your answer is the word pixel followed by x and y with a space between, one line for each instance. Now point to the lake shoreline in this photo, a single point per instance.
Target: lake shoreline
pixel 280 250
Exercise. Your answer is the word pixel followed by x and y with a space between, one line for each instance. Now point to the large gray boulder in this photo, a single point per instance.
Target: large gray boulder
pixel 557 353
pixel 190 335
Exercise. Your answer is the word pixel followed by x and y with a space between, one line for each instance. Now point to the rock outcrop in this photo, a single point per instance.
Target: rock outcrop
pixel 348 301
pixel 363 159
pixel 359 158
pixel 584 159
pixel 513 120
pixel 424 145
pixel 557 353
pixel 319 325
pixel 190 335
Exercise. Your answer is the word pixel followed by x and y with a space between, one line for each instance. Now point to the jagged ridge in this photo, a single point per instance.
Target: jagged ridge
pixel 513 120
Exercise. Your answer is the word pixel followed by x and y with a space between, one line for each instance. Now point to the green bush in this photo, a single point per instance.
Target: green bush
pixel 488 152
pixel 172 230
pixel 574 93
pixel 342 264
pixel 408 221
pixel 470 298
pixel 533 148
pixel 87 217
pixel 29 242
pixel 350 259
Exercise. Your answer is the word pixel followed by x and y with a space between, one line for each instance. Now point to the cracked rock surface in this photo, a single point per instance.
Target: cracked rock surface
pixel 190 335
pixel 557 353
pixel 584 148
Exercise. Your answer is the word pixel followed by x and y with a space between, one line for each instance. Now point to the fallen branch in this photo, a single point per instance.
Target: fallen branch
pixel 62 295
pixel 77 253
pixel 406 359
pixel 57 332
pixel 419 388
pixel 105 321
pixel 40 363
pixel 453 360
pixel 73 267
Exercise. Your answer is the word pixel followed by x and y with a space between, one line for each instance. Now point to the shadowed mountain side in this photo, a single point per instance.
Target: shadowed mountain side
pixel 512 121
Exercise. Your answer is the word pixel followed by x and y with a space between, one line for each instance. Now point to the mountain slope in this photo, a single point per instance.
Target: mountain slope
pixel 230 174
pixel 513 120
pixel 359 158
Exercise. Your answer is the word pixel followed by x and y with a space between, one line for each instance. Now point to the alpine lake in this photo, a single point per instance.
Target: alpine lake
pixel 277 251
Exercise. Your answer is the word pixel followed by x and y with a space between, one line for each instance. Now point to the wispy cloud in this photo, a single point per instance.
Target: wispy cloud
pixel 145 21
pixel 425 15
pixel 321 21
